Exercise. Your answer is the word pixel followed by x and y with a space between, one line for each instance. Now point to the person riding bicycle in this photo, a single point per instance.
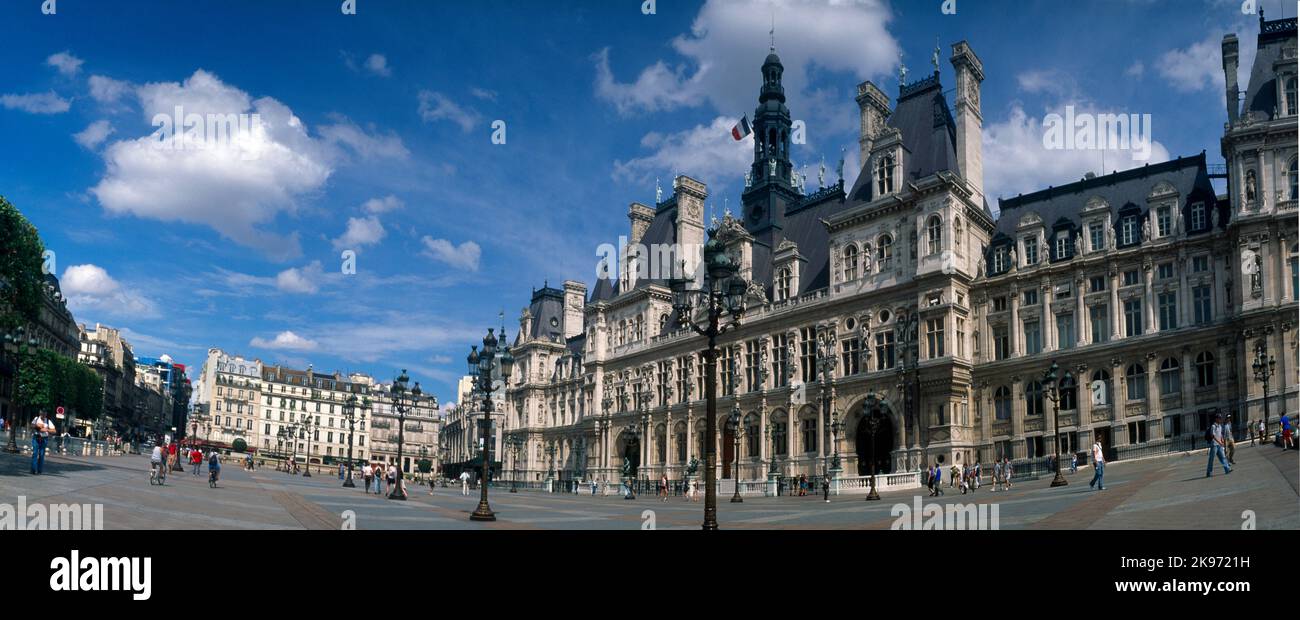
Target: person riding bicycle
pixel 214 466
pixel 156 468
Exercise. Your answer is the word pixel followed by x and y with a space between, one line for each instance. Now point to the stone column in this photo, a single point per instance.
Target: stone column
pixel 1153 384
pixel 1017 417
pixel 1149 300
pixel 1013 328
pixel 1116 306
pixel 1081 323
pixel 822 415
pixel 1049 320
pixel 1184 292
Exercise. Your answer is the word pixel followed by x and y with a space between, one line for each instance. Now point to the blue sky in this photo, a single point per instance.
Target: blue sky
pixel 379 132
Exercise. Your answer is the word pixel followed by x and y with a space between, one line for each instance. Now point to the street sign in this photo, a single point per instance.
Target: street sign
pixel 58 412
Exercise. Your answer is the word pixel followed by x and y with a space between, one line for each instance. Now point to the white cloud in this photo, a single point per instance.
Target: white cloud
pixel 378 65
pixel 1015 160
pixel 729 39
pixel 436 106
pixel 284 341
pixel 89 288
pixel 367 145
pixel 1049 81
pixel 1136 69
pixel 464 256
pixel 66 63
pixel 94 134
pixel 483 93
pixel 361 231
pixel 108 90
pixel 1199 66
pixel 36 103
pixel 235 186
pixel 296 280
pixel 383 205
pixel 707 152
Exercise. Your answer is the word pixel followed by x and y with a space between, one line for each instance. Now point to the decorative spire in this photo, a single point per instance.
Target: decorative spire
pixel 821 173
pixel 902 71
pixel 772 33
pixel 659 192
pixel 934 58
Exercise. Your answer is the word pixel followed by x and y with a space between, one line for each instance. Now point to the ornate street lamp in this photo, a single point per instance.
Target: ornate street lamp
pixel 872 420
pixel 1263 367
pixel 307 428
pixel 634 439
pixel 905 337
pixel 734 423
pixel 351 414
pixel 1053 386
pixel 721 296
pixel 482 365
pixel 404 400
pixel 17 346
pixel 515 442
pixel 771 437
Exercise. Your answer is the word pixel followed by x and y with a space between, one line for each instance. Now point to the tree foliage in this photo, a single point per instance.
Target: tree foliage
pixel 21 257
pixel 47 380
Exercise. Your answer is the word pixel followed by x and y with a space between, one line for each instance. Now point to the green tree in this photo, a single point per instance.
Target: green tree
pixel 239 445
pixel 425 465
pixel 21 279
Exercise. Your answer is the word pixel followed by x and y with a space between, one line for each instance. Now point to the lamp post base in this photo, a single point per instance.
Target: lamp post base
pixel 873 496
pixel 349 484
pixel 1059 480
pixel 306 472
pixel 482 513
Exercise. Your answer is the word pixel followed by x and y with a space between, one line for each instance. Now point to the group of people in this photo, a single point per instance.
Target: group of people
pixel 164 457
pixel 382 480
pixel 1002 471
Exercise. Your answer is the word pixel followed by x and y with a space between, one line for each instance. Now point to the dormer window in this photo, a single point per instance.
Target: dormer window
pixel 885 175
pixel 1164 221
pixel 1128 230
pixel 1198 216
pixel 783 281
pixel 1031 250
pixel 1096 236
pixel 1063 240
pixel 1001 259
pixel 934 234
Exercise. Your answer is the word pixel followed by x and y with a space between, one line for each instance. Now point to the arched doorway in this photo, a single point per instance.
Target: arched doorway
pixel 880 447
pixel 629 451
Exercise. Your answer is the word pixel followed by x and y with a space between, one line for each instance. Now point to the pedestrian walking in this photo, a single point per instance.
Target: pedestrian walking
pixel 1098 466
pixel 1006 473
pixel 41 428
pixel 367 476
pixel 1074 463
pixel 196 460
pixel 1286 431
pixel 954 476
pixel 1229 442
pixel 826 487
pixel 464 483
pixel 342 471
pixel 1262 430
pixel 663 486
pixel 1214 437
pixel 979 472
pixel 593 487
pixel 695 491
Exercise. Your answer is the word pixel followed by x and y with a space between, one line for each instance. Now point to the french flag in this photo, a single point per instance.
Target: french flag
pixel 741 129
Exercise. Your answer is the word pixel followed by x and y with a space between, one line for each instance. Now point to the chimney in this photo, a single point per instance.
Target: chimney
pixel 634 257
pixel 873 108
pixel 970 73
pixel 1230 75
pixel 691 195
pixel 575 299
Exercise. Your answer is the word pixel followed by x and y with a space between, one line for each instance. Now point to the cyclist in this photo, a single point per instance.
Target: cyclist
pixel 214 467
pixel 156 468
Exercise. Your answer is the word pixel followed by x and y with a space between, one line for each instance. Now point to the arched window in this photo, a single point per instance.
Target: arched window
pixel 884 251
pixel 1205 370
pixel 1002 403
pixel 1034 398
pixel 1069 393
pixel 783 281
pixel 1171 377
pixel 885 175
pixel 1135 377
pixel 850 262
pixel 1104 377
pixel 934 233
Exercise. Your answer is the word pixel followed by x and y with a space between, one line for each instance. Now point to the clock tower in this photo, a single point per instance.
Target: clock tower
pixel 769 188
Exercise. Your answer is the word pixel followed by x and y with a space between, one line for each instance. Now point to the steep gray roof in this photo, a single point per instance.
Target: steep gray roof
pixel 547 309
pixel 1261 93
pixel 928 132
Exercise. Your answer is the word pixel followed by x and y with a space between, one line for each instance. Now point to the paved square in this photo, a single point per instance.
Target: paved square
pixel 1158 493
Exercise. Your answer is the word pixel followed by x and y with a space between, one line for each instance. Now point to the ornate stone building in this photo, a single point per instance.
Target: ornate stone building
pixel 898 318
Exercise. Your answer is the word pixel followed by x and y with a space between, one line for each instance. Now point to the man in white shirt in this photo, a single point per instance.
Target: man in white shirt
pixel 1215 435
pixel 41 428
pixel 1098 465
pixel 464 483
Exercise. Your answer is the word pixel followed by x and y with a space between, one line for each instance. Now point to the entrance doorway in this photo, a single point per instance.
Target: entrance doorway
pixel 881 446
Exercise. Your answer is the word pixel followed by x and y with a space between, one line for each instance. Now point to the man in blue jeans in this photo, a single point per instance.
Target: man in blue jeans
pixel 1215 436
pixel 1098 466
pixel 41 428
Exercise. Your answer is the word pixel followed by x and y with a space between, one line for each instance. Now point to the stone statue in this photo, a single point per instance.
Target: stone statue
pixel 821 174
pixel 749 179
pixel 693 466
pixel 1013 257
pixel 1250 187
pixel 1146 229
pixel 771 168
pixel 1110 239
pixel 1078 242
pixel 979 269
pixel 659 192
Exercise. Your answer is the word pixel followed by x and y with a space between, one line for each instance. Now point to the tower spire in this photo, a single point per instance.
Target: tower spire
pixel 772 33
